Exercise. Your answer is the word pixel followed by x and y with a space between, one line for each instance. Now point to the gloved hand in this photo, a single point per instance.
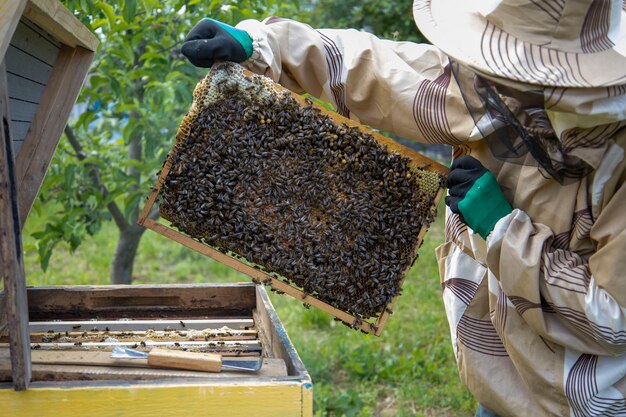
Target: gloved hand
pixel 475 195
pixel 211 40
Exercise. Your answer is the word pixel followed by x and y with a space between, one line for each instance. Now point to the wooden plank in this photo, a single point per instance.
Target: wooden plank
pixel 28 66
pixel 19 131
pixel 11 261
pixel 138 336
pixel 10 12
pixel 307 399
pixel 34 41
pixel 59 96
pixel 243 345
pixel 3 317
pixel 274 337
pixel 17 145
pixel 22 111
pixel 65 365
pixel 24 89
pixel 232 397
pixel 176 301
pixel 96 358
pixel 57 20
pixel 133 325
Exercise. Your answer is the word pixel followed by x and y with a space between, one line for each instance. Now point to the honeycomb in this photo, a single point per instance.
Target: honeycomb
pixel 278 183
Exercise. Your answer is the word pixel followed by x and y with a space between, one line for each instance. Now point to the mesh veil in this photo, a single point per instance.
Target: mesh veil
pixel 517 132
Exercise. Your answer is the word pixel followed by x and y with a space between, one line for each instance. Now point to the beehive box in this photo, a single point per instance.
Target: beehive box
pixel 45 54
pixel 73 329
pixel 299 198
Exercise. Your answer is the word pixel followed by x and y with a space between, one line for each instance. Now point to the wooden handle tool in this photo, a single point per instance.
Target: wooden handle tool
pixel 178 359
pixel 191 361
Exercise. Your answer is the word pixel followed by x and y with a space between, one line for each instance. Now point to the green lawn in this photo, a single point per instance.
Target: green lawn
pixel 408 371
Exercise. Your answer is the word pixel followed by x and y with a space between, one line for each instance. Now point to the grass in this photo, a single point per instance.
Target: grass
pixel 408 371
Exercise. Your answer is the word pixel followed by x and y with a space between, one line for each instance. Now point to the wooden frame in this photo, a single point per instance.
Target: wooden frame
pixel 45 53
pixel 158 392
pixel 418 161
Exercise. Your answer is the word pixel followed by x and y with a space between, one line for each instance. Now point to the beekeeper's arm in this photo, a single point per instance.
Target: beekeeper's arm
pixel 399 87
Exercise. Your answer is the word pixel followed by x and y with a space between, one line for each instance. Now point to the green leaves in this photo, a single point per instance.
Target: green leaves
pixel 386 19
pixel 129 10
pixel 109 12
pixel 137 92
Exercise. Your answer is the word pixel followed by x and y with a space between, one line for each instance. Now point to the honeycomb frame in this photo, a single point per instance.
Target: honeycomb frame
pixel 418 162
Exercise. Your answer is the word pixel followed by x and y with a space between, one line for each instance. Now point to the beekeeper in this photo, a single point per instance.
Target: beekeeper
pixel 532 96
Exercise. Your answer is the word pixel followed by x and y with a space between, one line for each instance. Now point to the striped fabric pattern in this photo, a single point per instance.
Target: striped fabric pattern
pixel 522 305
pixel 594 36
pixel 480 336
pixel 552 8
pixel 527 62
pixel 594 330
pixel 455 228
pixel 463 289
pixel 334 60
pixel 429 109
pixel 581 387
pixel 566 270
pixel 564 43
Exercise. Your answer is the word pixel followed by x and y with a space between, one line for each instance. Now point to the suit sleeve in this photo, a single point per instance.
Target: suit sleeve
pixel 400 87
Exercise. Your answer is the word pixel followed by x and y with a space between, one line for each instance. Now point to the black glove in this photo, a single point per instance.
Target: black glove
pixel 475 195
pixel 211 40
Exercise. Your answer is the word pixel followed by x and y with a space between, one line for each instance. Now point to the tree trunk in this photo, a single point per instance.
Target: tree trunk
pixel 131 232
pixel 127 244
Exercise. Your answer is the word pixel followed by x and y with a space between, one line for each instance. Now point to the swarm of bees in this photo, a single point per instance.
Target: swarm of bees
pixel 322 205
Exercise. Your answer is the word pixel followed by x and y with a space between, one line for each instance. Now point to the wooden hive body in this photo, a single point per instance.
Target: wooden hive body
pixel 45 53
pixel 209 131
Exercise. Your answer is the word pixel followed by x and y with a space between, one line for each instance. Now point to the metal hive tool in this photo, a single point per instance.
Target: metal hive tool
pixel 297 197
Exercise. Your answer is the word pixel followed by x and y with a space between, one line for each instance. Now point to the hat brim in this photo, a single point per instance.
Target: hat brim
pixel 466 36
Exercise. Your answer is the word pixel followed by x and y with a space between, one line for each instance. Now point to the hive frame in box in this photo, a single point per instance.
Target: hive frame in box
pixel 228 394
pixel 258 275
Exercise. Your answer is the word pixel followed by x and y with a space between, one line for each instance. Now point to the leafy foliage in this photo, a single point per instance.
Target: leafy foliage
pixel 137 91
pixel 386 19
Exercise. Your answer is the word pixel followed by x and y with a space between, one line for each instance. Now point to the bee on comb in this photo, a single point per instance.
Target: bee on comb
pixel 310 199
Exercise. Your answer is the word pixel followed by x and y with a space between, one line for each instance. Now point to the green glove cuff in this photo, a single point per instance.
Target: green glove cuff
pixel 240 36
pixel 484 204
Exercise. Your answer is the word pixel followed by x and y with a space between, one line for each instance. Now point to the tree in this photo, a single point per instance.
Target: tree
pixel 386 19
pixel 136 94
